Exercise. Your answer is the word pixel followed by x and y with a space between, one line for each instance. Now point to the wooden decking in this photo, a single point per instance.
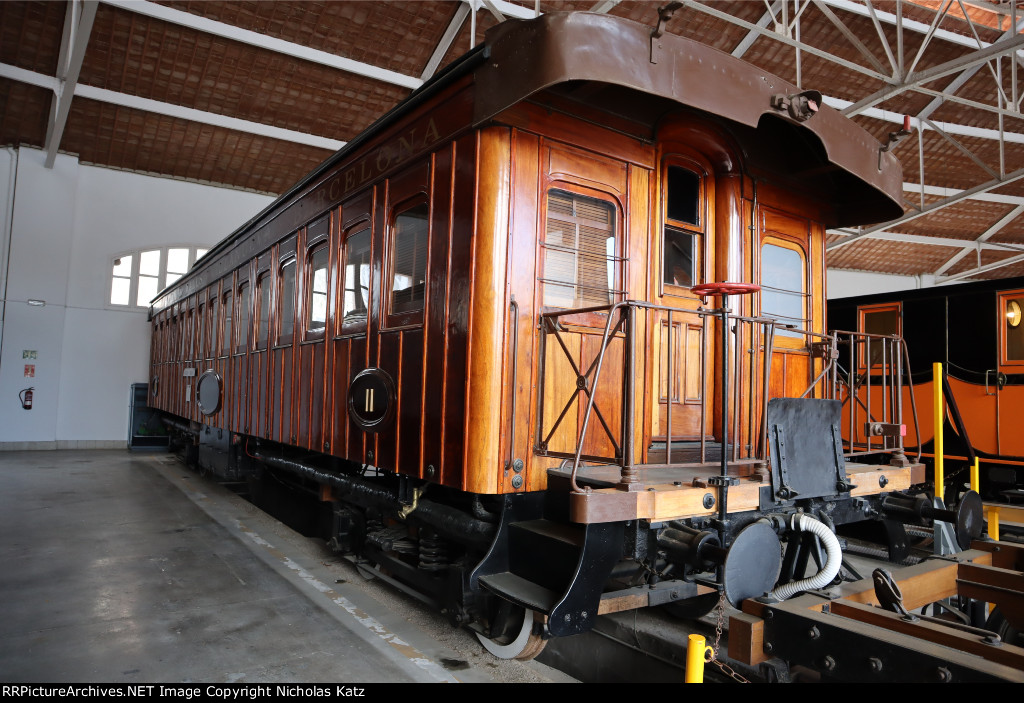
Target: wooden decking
pixel 665 492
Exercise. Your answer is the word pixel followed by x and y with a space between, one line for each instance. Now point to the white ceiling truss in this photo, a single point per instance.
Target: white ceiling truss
pixel 781 22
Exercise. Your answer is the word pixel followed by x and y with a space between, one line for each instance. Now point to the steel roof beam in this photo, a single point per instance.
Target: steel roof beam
pixel 77 28
pixel 178 111
pixel 725 16
pixel 929 209
pixel 980 241
pixel 982 269
pixel 447 39
pixel 262 41
pixel 753 34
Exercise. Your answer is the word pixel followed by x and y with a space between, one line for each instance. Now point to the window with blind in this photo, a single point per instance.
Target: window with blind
pixel 409 261
pixel 579 252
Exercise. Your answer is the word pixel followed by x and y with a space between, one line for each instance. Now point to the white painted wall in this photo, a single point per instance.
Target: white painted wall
pixel 68 222
pixel 845 284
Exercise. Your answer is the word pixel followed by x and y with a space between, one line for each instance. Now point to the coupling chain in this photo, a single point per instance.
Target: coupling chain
pixel 719 626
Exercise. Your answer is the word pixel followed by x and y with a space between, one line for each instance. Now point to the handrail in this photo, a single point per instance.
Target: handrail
pixel 753 343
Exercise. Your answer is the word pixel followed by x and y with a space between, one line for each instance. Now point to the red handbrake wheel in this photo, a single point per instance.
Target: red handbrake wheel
pixel 724 288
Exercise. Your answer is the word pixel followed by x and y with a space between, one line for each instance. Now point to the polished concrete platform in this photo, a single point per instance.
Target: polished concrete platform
pixel 129 568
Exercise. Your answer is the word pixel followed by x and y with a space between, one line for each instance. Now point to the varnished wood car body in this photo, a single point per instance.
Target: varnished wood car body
pixel 564 187
pixel 451 362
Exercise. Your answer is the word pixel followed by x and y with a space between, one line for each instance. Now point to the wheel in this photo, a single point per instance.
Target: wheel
pixel 692 608
pixel 998 624
pixel 521 641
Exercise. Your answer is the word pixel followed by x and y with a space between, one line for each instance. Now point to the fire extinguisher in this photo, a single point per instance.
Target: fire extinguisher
pixel 26 398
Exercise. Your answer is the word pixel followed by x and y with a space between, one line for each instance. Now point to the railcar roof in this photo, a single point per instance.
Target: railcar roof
pixel 522 58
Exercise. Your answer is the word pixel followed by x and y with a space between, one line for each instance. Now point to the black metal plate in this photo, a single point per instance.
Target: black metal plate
pixel 801 435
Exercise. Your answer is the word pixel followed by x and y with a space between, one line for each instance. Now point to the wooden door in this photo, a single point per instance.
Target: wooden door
pixel 681 354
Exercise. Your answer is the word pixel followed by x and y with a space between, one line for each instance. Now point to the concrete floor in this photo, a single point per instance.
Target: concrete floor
pixel 130 568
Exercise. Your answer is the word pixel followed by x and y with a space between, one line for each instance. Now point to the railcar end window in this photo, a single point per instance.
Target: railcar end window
pixel 782 287
pixel 286 303
pixel 316 301
pixel 580 252
pixel 409 259
pixel 357 277
pixel 681 241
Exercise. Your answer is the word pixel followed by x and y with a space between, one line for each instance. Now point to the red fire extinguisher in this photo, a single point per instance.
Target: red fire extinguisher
pixel 26 398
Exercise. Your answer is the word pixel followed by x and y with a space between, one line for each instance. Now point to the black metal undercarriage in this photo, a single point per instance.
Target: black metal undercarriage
pixel 490 562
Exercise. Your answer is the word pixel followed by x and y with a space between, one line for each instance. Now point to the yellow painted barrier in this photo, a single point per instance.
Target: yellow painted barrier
pixel 976 477
pixel 939 413
pixel 696 653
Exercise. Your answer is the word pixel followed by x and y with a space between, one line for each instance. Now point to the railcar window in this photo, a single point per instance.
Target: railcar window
pixel 682 195
pixel 579 251
pixel 357 277
pixel 878 319
pixel 1013 312
pixel 243 318
pixel 782 287
pixel 226 328
pixel 409 260
pixel 681 237
pixel 316 302
pixel 262 311
pixel 201 342
pixel 286 303
pixel 211 343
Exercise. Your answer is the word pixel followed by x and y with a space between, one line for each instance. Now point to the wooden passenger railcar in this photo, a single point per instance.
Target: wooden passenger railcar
pixel 479 318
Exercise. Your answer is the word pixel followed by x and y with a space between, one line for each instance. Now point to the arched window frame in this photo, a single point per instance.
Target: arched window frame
pixel 698 231
pixel 617 258
pixel 784 338
pixel 136 275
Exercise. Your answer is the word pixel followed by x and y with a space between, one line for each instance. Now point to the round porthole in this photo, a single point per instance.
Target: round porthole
pixel 371 399
pixel 1013 313
pixel 208 392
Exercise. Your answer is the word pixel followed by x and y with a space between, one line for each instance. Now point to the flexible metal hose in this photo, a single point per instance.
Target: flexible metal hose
pixel 833 558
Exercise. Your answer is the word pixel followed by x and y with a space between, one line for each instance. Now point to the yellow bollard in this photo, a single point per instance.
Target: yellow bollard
pixel 939 412
pixel 992 515
pixel 696 653
pixel 976 477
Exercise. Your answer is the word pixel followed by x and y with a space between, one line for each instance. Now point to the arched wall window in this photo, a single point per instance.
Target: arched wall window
pixel 137 276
